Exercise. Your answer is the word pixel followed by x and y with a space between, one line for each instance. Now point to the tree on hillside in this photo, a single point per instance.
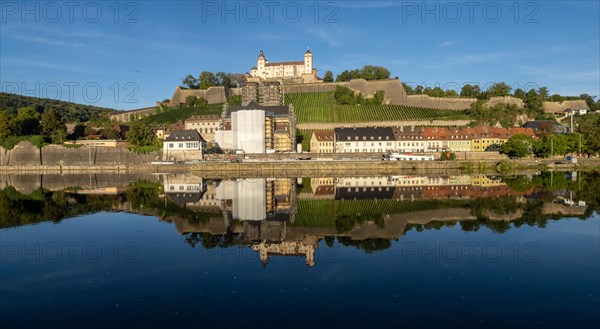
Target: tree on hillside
pixel 589 127
pixel 368 72
pixel 519 93
pixel 328 77
pixel 589 100
pixel 344 76
pixel 408 89
pixel 222 79
pixel 450 93
pixel 140 134
pixel 27 121
pixel 193 101
pixel 344 96
pixel 71 112
pixel 190 82
pixel 534 102
pixel 7 121
pixel 518 146
pixel 557 145
pixel 469 90
pixel 207 79
pixel 371 72
pixel 543 92
pixel 111 130
pixel 436 92
pixel 499 89
pixel 53 126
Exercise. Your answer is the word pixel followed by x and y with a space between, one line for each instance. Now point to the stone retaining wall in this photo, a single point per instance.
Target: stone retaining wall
pixel 26 154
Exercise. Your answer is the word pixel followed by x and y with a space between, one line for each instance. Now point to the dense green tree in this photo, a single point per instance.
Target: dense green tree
pixel 371 72
pixel 589 100
pixel 27 121
pixel 344 96
pixel 499 89
pixel 558 145
pixel 207 79
pixel 71 112
pixel 519 93
pixel 451 93
pixel 368 72
pixel 408 89
pixel 328 77
pixel 140 134
pixel 469 90
pixel 222 79
pixel 518 146
pixel 589 127
pixel 543 92
pixel 111 130
pixel 436 92
pixel 53 126
pixel 377 98
pixel 190 101
pixel 534 102
pixel 190 82
pixel 7 122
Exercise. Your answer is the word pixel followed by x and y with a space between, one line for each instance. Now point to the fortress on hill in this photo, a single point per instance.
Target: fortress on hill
pixel 302 70
pixel 268 82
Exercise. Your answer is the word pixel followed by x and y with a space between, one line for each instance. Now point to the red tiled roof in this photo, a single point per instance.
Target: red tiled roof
pixel 447 133
pixel 323 135
pixel 525 131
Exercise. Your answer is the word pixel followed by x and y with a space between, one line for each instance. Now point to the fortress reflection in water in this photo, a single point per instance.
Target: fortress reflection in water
pixel 290 216
pixel 274 218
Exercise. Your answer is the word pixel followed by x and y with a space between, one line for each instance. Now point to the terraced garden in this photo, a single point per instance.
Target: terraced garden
pixel 321 107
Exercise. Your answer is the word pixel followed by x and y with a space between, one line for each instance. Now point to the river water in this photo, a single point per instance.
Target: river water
pixel 161 250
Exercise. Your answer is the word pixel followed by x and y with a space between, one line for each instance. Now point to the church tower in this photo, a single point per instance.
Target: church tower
pixel 260 64
pixel 308 61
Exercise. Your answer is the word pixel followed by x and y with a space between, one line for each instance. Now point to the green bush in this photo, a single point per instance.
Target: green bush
pixel 447 156
pixel 10 142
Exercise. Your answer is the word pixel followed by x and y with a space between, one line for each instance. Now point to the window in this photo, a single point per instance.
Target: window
pixel 180 145
pixel 170 145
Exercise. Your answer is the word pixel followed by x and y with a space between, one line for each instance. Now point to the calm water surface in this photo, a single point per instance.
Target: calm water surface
pixel 343 252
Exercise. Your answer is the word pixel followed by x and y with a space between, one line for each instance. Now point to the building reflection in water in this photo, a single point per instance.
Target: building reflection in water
pixel 290 216
pixel 262 211
pixel 258 209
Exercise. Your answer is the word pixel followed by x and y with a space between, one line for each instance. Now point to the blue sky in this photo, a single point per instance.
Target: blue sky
pixel 131 54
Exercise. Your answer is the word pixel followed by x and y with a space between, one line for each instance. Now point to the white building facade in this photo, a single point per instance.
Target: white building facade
pixel 183 145
pixel 266 70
